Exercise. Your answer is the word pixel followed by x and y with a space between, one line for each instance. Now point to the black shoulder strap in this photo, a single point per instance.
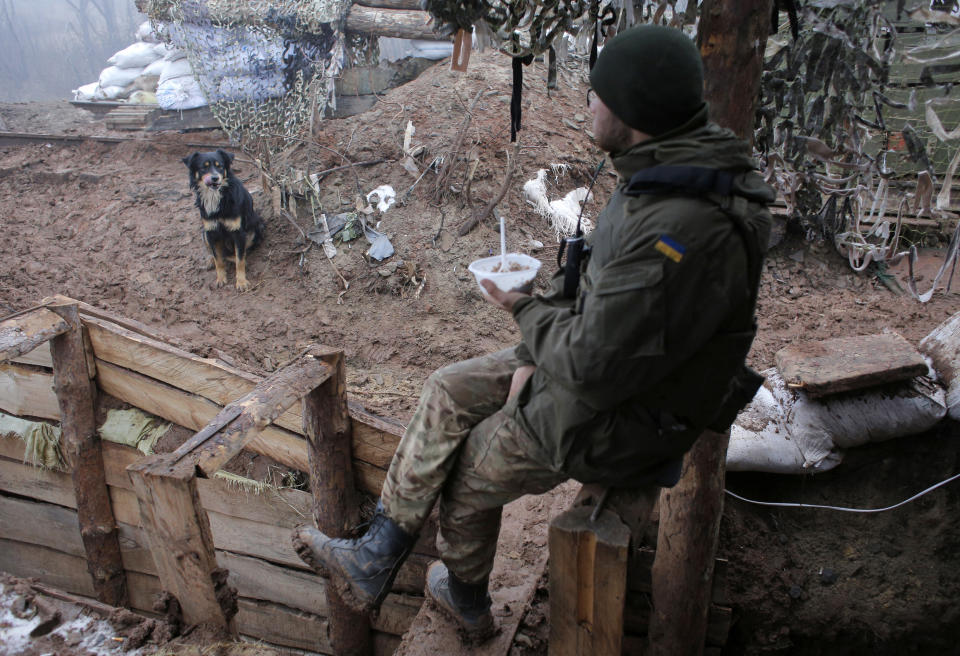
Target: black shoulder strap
pixel 698 180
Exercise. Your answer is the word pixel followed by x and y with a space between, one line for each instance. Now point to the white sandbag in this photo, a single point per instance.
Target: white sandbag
pixel 161 50
pixel 821 426
pixel 87 92
pixel 758 441
pixel 180 93
pixel 114 76
pixel 175 69
pixel 136 55
pixel 942 346
pixel 393 49
pixel 156 68
pixel 109 93
pixel 145 32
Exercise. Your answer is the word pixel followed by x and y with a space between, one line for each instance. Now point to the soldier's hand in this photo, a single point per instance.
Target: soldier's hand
pixel 501 299
pixel 520 377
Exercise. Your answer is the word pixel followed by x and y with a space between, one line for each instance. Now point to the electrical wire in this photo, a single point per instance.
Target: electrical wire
pixel 841 508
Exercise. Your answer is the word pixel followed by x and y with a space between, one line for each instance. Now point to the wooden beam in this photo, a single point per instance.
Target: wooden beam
pixel 80 445
pixel 399 23
pixel 690 515
pixel 235 425
pixel 178 531
pixel 21 334
pixel 326 423
pixel 588 580
pixel 391 4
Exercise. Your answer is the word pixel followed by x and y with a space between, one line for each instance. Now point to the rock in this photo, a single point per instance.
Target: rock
pixel 827 576
pixel 795 592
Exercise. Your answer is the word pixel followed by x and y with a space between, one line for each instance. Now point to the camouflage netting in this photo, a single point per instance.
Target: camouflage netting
pixel 267 69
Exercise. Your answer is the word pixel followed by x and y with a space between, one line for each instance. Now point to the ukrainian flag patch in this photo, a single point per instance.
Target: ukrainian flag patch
pixel 670 248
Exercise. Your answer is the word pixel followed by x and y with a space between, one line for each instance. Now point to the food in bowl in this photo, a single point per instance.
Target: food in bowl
pixel 518 277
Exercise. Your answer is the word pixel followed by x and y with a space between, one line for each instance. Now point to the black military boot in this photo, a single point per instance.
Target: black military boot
pixel 361 570
pixel 467 604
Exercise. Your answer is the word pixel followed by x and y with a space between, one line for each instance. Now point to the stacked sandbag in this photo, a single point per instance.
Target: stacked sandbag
pixel 785 431
pixel 133 73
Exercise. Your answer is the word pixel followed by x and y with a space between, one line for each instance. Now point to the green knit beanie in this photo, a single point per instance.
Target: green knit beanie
pixel 651 78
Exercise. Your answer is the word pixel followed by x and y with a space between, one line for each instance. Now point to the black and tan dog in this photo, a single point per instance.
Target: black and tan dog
pixel 231 227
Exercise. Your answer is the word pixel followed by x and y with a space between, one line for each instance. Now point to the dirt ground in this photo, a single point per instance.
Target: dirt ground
pixel 115 226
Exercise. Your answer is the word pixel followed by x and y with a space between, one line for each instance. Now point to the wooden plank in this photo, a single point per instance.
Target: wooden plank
pixel 24 333
pixel 46 524
pixel 375 438
pixel 843 364
pixel 27 392
pixel 588 577
pixel 279 625
pixel 180 539
pixel 44 484
pixel 399 23
pixel 39 356
pixel 236 425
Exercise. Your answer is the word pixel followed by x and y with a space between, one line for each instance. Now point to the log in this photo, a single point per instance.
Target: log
pixel 235 425
pixel 690 515
pixel 178 531
pixel 326 423
pixel 22 334
pixel 40 356
pixel 588 578
pixel 80 445
pixel 391 4
pixel 732 37
pixel 399 23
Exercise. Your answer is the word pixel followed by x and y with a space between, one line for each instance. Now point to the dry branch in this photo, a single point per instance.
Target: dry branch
pixel 451 156
pixel 483 214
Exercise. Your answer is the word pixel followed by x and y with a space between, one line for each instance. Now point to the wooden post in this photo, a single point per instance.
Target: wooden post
pixel 732 38
pixel 178 531
pixel 326 423
pixel 682 575
pixel 81 447
pixel 588 583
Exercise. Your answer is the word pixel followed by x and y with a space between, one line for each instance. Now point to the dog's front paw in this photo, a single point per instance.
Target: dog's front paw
pixel 221 279
pixel 242 285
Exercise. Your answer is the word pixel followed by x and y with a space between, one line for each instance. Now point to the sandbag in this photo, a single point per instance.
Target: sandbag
pixel 784 431
pixel 87 92
pixel 942 346
pixel 145 33
pixel 156 68
pixel 137 55
pixel 758 441
pixel 175 69
pixel 108 93
pixel 180 93
pixel 249 87
pixel 114 76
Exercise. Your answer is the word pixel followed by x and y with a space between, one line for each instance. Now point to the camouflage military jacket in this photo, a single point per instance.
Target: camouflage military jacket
pixel 630 372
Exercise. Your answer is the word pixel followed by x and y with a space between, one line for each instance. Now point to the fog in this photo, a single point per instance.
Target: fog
pixel 49 47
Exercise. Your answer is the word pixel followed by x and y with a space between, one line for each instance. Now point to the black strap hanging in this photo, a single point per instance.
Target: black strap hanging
pixel 518 63
pixel 594 20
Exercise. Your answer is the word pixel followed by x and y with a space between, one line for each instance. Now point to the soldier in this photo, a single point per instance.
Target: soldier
pixel 615 376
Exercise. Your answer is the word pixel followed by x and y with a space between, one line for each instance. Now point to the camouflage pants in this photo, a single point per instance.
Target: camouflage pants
pixel 464 447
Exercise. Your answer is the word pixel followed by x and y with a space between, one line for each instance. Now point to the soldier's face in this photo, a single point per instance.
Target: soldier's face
pixel 609 132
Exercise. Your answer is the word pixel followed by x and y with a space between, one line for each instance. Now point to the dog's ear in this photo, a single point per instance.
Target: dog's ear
pixel 227 157
pixel 190 159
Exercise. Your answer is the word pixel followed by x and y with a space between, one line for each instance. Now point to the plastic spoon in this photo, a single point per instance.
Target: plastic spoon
pixel 503 247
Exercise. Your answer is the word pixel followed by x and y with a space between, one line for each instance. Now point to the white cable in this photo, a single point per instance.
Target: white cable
pixel 857 510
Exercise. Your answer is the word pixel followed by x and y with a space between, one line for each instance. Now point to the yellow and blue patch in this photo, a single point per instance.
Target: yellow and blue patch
pixel 670 248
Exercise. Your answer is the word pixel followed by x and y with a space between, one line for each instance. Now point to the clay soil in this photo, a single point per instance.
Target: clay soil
pixel 115 226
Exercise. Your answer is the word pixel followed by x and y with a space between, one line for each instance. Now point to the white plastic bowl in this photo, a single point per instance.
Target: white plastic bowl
pixel 508 281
